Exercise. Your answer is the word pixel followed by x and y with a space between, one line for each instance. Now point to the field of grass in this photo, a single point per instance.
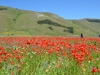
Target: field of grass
pixel 46 55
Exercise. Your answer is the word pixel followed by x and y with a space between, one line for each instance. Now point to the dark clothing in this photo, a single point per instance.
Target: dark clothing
pixel 99 35
pixel 82 35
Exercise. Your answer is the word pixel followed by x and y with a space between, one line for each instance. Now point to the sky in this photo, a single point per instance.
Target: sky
pixel 67 9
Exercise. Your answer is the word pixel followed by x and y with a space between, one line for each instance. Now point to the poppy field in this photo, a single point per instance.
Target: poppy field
pixel 49 55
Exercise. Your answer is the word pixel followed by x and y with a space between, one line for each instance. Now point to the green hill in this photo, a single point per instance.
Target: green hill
pixel 14 21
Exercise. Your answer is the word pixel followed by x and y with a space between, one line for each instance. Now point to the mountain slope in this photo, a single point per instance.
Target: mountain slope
pixel 88 28
pixel 14 21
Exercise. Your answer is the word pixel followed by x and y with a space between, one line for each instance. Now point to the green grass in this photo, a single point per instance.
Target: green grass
pixel 47 65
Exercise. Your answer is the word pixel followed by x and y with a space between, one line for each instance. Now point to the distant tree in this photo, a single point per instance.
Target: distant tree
pixel 93 20
pixel 49 22
pixel 3 8
pixel 50 28
pixel 65 30
pixel 14 19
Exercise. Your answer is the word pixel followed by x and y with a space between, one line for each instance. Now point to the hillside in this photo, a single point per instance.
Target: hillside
pixel 14 21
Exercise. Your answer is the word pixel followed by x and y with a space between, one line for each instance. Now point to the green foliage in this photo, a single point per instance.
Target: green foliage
pixel 70 29
pixel 3 9
pixel 50 28
pixel 49 22
pixel 93 20
pixel 65 30
pixel 14 19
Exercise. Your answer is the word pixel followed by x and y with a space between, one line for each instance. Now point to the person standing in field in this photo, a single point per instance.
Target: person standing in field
pixel 99 35
pixel 82 35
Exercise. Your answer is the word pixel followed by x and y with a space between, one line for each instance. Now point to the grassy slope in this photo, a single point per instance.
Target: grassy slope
pixel 88 28
pixel 21 22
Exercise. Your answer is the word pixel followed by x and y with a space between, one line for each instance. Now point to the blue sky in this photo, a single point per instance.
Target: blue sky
pixel 68 9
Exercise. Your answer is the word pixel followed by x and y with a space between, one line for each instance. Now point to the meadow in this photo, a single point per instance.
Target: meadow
pixel 49 55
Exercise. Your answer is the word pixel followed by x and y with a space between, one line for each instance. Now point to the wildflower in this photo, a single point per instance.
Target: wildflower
pixel 18 51
pixel 97 58
pixel 0 61
pixel 58 66
pixel 28 42
pixel 12 74
pixel 54 62
pixel 89 61
pixel 12 63
pixel 46 63
pixel 51 51
pixel 47 69
pixel 94 70
pixel 98 69
pixel 85 66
